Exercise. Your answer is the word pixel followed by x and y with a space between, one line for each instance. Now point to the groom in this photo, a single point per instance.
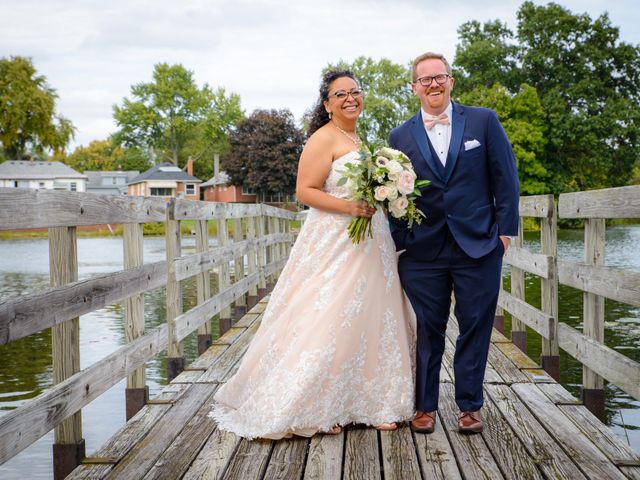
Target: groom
pixel 471 210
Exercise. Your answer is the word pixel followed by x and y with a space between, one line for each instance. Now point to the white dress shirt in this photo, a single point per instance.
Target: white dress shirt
pixel 440 135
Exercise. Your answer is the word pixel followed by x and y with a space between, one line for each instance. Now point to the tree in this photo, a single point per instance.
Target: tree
pixel 264 152
pixel 388 99
pixel 175 119
pixel 29 124
pixel 105 155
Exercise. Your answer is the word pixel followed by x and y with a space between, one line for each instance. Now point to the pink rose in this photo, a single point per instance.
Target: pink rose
pixel 381 193
pixel 405 182
pixel 398 207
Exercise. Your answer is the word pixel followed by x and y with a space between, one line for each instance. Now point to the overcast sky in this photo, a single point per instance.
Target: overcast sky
pixel 270 52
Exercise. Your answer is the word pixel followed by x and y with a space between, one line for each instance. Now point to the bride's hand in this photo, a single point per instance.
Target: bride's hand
pixel 360 208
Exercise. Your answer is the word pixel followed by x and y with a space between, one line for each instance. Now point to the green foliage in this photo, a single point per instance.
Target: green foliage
pixel 388 99
pixel 104 155
pixel 175 119
pixel 522 117
pixel 264 152
pixel 29 124
pixel 588 83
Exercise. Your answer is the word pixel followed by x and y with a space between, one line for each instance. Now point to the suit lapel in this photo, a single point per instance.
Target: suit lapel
pixel 457 129
pixel 420 136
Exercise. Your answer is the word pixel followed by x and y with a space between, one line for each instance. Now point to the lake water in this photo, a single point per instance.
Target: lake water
pixel 25 365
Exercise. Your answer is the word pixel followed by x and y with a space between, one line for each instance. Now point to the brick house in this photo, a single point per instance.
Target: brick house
pixel 219 189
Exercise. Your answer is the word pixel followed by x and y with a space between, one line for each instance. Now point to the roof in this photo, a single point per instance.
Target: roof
pixel 165 171
pixel 222 178
pixel 35 169
pixel 95 177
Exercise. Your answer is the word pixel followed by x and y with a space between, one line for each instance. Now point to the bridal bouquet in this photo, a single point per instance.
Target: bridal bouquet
pixel 383 178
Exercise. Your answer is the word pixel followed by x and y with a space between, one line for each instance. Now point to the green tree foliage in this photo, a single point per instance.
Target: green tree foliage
pixel 175 119
pixel 388 99
pixel 29 124
pixel 522 117
pixel 105 155
pixel 588 83
pixel 264 152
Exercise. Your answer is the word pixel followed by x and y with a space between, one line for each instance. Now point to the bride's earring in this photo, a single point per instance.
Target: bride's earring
pixel 330 114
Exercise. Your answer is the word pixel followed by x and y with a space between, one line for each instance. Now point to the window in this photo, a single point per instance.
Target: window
pixel 247 191
pixel 73 186
pixel 190 188
pixel 161 192
pixel 41 185
pixel 15 184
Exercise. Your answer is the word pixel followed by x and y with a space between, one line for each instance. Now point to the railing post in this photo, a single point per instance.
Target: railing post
pixel 550 357
pixel 175 355
pixel 498 319
pixel 262 257
pixel 272 227
pixel 238 270
pixel 137 391
pixel 203 285
pixel 593 384
pixel 69 446
pixel 518 328
pixel 224 322
pixel 252 258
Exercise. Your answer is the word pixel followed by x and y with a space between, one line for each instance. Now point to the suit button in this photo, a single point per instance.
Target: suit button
pixel 448 215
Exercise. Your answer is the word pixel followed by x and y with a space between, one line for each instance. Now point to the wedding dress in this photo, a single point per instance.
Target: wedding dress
pixel 337 340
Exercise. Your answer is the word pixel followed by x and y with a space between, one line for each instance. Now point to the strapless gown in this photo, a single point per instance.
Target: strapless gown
pixel 337 340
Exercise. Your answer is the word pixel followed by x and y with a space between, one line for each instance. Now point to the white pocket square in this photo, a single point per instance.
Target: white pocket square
pixel 471 144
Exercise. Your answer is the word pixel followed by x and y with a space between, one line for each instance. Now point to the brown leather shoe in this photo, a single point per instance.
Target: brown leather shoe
pixel 470 422
pixel 424 422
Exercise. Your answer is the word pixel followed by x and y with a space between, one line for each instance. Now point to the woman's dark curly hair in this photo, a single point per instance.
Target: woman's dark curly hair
pixel 319 115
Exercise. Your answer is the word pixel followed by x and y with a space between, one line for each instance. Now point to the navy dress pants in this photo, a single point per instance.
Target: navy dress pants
pixel 476 285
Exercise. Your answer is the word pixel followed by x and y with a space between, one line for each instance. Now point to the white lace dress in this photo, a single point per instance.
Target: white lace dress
pixel 336 342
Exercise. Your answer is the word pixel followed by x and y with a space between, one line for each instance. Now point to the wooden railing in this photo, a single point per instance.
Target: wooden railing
pixel 247 267
pixel 596 280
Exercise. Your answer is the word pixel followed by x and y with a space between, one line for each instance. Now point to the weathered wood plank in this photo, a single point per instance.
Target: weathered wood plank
pixel 275 212
pixel 507 370
pixel 539 206
pixel 610 364
pixel 325 457
pixel 399 459
pixel 361 461
pixel 473 457
pixel 620 202
pixel 176 458
pixel 611 282
pixel 187 266
pixel 24 315
pixel 250 460
pixel 287 459
pixel 129 434
pixel 26 424
pixel 24 208
pixel 194 210
pixel 247 319
pixel 528 367
pixel 189 321
pixel 230 336
pixel 523 259
pixel 531 316
pixel 214 457
pixel 435 455
pixel 601 435
pixel 507 449
pixel 577 445
pixel 138 461
pixel 207 359
pixel 542 447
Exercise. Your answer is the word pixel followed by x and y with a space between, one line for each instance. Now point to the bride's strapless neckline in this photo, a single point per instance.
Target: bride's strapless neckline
pixel 347 155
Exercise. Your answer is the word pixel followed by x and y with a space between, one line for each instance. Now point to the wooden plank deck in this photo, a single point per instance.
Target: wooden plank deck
pixel 534 430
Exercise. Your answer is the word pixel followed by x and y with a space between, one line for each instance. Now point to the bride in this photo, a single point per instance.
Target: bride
pixel 336 343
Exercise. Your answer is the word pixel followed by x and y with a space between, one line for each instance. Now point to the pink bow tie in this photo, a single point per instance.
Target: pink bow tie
pixel 431 120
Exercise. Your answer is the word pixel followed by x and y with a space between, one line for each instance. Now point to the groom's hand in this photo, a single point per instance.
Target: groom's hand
pixel 505 241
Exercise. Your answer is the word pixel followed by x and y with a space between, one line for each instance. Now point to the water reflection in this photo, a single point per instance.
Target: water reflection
pixel 26 364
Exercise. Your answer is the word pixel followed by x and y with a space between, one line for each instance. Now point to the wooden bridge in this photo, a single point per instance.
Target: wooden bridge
pixel 534 427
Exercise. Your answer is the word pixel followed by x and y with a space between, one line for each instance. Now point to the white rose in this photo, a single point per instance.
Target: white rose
pixel 388 152
pixel 392 191
pixel 405 182
pixel 398 207
pixel 381 193
pixel 394 168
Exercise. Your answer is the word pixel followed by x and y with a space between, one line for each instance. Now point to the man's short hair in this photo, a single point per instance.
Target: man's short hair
pixel 427 56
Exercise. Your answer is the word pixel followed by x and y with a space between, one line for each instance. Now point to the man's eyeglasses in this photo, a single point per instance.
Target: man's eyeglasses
pixel 426 81
pixel 342 94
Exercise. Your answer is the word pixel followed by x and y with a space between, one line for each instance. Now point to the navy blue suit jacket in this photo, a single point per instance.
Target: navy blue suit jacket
pixel 476 195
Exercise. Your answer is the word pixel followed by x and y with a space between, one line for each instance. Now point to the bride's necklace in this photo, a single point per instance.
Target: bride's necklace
pixel 353 138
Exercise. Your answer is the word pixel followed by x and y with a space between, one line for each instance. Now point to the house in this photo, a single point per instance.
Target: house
pixel 43 175
pixel 219 189
pixel 166 180
pixel 109 183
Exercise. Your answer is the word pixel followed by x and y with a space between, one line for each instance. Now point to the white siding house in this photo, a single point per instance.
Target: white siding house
pixel 41 175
